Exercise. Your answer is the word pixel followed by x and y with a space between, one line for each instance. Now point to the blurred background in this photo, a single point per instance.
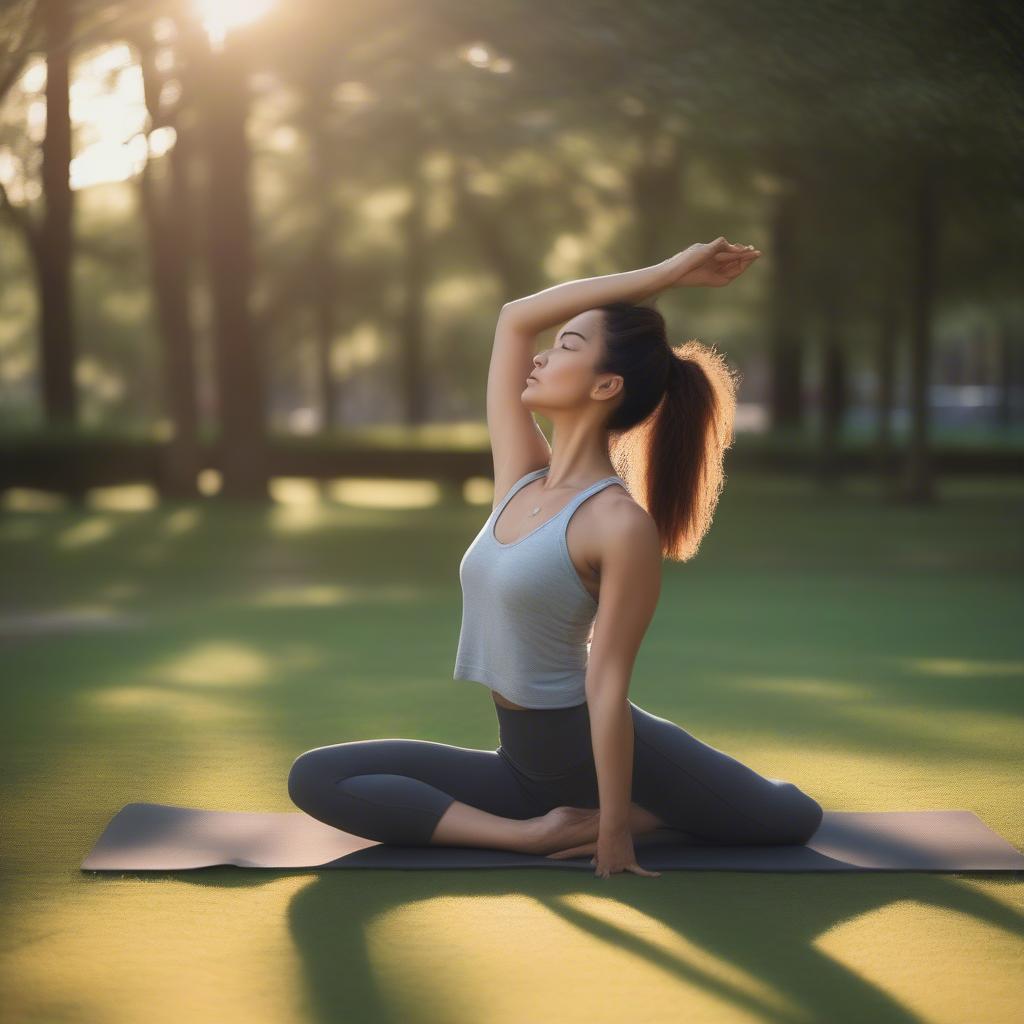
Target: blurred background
pixel 250 241
pixel 251 258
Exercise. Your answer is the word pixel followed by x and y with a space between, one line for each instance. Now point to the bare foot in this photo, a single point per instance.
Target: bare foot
pixel 562 828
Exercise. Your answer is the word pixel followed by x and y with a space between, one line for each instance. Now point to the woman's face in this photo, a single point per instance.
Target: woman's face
pixel 563 376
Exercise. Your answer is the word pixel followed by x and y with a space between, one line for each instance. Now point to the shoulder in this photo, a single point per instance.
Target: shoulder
pixel 625 540
pixel 628 529
pixel 612 530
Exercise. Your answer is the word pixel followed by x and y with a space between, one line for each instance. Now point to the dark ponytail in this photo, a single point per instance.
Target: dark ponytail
pixel 669 434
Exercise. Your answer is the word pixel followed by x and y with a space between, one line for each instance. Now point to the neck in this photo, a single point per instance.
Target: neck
pixel 579 455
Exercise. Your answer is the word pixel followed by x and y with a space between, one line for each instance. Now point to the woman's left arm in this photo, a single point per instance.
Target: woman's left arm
pixel 703 263
pixel 631 560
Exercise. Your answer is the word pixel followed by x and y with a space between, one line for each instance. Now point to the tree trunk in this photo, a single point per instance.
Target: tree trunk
pixel 886 394
pixel 1005 363
pixel 655 183
pixel 53 258
pixel 324 271
pixel 414 385
pixel 166 206
pixel 918 482
pixel 239 360
pixel 785 380
pixel 833 390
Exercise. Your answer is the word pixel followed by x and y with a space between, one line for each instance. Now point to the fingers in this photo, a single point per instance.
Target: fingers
pixel 634 867
pixel 637 870
pixel 722 243
pixel 579 851
pixel 735 269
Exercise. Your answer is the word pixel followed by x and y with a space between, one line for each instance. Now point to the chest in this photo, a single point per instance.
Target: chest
pixel 551 567
pixel 515 523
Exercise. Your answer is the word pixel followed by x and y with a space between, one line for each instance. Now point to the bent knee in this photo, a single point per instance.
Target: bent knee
pixel 307 773
pixel 316 772
pixel 800 816
pixel 296 779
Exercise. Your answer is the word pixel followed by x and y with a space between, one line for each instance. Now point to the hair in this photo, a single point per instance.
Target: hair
pixel 670 432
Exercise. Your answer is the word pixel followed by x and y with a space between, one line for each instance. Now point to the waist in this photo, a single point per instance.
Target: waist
pixel 503 702
pixel 545 741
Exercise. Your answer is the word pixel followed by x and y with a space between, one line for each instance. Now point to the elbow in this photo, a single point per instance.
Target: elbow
pixel 511 308
pixel 606 700
pixel 606 688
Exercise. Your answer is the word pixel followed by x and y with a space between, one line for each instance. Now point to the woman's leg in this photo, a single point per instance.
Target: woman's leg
pixel 703 791
pixel 417 793
pixel 396 791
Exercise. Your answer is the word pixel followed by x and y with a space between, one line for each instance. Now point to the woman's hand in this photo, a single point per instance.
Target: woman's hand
pixel 613 852
pixel 712 264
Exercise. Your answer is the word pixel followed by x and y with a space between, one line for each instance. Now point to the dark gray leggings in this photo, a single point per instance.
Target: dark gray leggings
pixel 396 790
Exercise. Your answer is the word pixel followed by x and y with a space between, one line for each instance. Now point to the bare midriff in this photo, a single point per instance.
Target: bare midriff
pixel 498 699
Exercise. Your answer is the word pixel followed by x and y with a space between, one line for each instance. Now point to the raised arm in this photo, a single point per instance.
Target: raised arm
pixel 518 445
pixel 535 313
pixel 709 264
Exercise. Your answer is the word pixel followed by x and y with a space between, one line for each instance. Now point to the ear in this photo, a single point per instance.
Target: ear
pixel 608 388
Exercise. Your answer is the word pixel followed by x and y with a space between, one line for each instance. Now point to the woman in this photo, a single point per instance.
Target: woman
pixel 559 587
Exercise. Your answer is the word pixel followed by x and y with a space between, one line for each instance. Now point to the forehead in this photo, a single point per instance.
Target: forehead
pixel 588 323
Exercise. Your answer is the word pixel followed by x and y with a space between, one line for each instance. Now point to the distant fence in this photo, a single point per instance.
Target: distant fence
pixel 74 466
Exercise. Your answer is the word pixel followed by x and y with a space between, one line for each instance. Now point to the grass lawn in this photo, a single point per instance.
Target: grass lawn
pixel 186 654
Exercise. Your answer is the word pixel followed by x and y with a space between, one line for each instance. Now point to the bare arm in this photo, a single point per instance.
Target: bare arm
pixel 611 732
pixel 547 308
pixel 630 586
pixel 518 445
pixel 713 264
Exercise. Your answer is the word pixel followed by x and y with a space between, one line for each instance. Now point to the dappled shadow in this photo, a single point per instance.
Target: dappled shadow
pixel 728 936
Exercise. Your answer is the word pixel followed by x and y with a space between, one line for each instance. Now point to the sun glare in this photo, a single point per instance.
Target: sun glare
pixel 107 104
pixel 218 17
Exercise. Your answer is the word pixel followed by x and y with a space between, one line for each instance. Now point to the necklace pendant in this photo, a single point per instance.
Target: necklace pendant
pixel 535 511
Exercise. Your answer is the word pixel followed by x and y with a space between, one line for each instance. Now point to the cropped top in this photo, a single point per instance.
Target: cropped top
pixel 526 616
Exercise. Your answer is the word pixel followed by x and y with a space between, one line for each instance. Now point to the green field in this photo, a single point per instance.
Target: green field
pixel 872 653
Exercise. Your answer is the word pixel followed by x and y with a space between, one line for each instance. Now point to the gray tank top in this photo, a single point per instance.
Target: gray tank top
pixel 526 616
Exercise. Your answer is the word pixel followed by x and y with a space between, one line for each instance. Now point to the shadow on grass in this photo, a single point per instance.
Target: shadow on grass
pixel 727 922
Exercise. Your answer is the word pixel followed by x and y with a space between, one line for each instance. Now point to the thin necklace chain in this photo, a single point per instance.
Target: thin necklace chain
pixel 537 509
pixel 530 515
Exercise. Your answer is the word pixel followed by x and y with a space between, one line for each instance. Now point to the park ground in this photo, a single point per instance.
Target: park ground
pixel 185 654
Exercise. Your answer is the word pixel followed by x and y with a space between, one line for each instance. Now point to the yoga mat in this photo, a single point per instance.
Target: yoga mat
pixel 160 837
